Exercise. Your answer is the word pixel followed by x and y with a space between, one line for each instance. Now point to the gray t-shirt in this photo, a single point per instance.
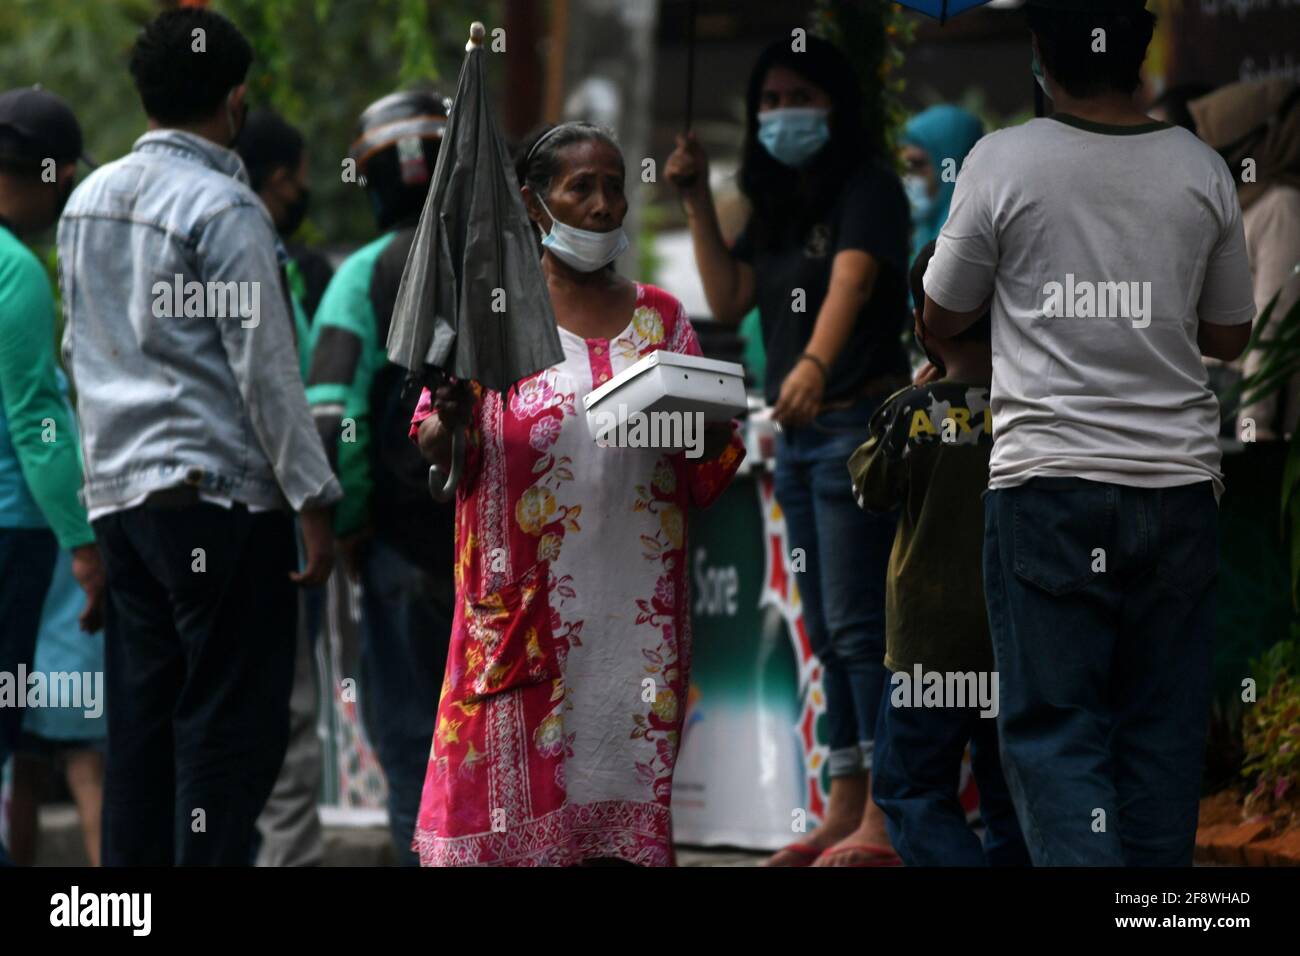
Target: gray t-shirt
pixel 1103 247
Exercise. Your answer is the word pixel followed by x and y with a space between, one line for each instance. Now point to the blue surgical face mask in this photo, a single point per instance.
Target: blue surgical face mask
pixel 794 135
pixel 583 249
pixel 918 197
pixel 1036 68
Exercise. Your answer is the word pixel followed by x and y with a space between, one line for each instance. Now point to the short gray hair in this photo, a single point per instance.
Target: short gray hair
pixel 538 156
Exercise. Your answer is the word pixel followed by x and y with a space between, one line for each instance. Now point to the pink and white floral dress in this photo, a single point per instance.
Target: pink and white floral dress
pixel 565 688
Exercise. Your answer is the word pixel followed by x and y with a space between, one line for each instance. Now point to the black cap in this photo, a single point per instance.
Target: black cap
pixel 43 125
pixel 1090 6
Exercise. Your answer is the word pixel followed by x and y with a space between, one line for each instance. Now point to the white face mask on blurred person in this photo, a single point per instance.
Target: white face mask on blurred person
pixel 583 249
pixel 918 197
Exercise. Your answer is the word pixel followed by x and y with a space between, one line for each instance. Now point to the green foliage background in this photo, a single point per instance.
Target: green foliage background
pixel 318 62
pixel 873 35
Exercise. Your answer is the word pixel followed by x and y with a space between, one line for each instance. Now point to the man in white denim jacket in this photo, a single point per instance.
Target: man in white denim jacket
pixel 198 445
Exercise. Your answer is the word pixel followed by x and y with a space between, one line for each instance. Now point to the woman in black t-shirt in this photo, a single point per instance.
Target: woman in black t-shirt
pixel 824 256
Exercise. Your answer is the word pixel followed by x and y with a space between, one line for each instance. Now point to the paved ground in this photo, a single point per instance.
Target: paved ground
pixel 344 845
pixel 717 856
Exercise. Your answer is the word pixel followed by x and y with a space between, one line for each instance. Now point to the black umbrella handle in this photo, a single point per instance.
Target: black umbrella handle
pixel 443 487
pixel 690 65
pixel 690 80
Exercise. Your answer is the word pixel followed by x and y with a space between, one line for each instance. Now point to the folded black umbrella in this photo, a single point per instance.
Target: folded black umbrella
pixel 473 302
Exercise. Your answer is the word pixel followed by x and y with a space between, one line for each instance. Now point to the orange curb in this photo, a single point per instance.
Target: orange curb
pixel 1253 843
pixel 1281 850
pixel 1206 838
pixel 1227 842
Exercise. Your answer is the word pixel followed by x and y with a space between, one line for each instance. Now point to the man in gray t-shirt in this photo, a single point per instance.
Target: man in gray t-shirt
pixel 1112 251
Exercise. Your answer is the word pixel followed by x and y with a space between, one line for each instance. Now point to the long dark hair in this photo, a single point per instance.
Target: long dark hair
pixel 786 199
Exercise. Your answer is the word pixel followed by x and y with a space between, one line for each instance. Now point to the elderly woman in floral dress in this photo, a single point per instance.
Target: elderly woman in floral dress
pixel 563 699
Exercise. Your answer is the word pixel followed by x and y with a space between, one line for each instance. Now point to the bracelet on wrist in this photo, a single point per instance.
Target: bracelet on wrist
pixel 821 366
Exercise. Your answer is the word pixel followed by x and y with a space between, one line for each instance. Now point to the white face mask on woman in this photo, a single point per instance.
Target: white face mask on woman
pixel 583 249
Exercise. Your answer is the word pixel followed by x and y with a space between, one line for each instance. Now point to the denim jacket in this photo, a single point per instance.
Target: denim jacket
pixel 183 389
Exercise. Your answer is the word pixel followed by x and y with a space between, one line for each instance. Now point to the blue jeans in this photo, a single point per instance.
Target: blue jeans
pixel 407 626
pixel 845 555
pixel 918 768
pixel 1105 674
pixel 27 557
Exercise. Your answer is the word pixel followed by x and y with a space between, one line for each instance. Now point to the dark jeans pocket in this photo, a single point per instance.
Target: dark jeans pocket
pixel 1188 549
pixel 510 640
pixel 1058 525
pixel 856 419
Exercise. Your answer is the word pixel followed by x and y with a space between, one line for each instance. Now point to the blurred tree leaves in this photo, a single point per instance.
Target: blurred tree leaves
pixel 79 50
pixel 318 62
pixel 873 35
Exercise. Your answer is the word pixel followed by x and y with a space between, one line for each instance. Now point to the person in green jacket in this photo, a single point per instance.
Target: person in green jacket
pixel 393 537
pixel 40 464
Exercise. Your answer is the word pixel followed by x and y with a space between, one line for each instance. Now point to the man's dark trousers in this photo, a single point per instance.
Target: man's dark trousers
pixel 199 646
pixel 27 558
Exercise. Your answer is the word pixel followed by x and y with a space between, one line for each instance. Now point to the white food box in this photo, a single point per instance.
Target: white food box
pixel 666 381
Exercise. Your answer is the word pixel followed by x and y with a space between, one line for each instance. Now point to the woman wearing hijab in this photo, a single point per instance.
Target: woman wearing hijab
pixel 562 705
pixel 930 139
pixel 824 256
pixel 1256 127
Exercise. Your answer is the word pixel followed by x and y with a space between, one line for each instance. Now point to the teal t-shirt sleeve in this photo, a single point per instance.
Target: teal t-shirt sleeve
pixel 38 416
pixel 302 332
pixel 301 323
pixel 339 378
pixel 751 330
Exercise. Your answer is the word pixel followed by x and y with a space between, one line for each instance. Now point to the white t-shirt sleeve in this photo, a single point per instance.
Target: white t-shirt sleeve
pixel 1227 294
pixel 960 274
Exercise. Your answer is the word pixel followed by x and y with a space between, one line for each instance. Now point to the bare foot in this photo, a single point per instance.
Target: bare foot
pixel 867 845
pixel 843 816
pixel 820 839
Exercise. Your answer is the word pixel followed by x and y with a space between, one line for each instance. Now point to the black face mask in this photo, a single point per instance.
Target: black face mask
pixel 66 194
pixel 296 212
pixel 236 129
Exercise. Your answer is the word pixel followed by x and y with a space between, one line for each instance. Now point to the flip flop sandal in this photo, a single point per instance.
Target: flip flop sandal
pixel 875 855
pixel 806 852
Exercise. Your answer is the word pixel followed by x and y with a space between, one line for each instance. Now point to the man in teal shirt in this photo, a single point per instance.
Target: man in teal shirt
pixel 40 467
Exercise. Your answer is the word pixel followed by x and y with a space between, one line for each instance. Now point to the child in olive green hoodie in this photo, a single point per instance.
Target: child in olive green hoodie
pixel 928 456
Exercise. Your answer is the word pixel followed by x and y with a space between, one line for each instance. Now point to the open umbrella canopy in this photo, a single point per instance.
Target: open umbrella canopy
pixel 473 301
pixel 941 9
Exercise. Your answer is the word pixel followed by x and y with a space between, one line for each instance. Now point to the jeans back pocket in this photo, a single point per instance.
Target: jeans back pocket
pixel 1059 525
pixel 1188 547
